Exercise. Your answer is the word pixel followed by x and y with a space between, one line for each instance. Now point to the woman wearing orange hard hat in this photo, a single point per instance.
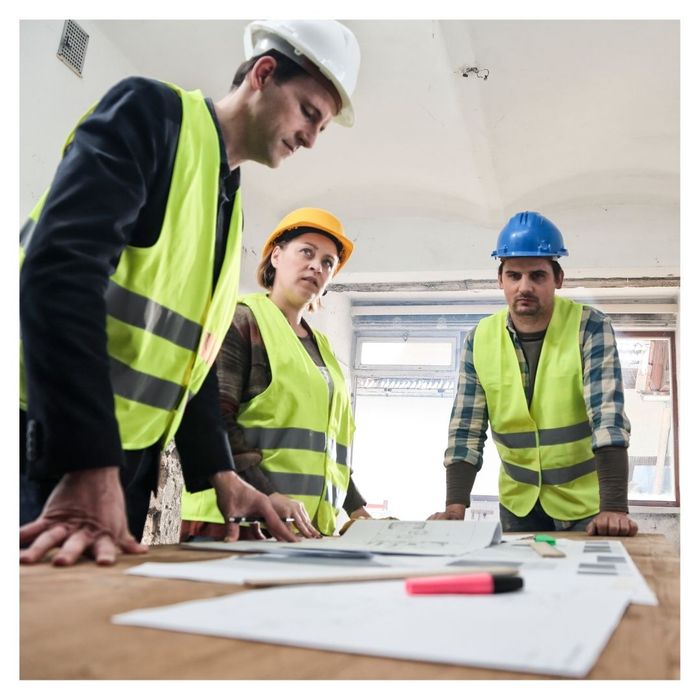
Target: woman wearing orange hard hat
pixel 282 392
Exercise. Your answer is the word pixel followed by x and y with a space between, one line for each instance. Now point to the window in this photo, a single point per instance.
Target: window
pixel 404 389
pixel 416 353
pixel 398 452
pixel 650 404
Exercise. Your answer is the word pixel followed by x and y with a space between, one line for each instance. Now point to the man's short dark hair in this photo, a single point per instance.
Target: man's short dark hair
pixel 285 70
pixel 556 268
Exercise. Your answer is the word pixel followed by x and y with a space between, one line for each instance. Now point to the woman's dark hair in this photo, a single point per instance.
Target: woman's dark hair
pixel 285 70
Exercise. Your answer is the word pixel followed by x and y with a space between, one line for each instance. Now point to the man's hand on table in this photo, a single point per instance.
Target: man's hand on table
pixel 612 524
pixel 454 511
pixel 85 514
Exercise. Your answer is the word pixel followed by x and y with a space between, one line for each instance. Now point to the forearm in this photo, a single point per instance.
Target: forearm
pixel 353 499
pixel 255 476
pixel 613 475
pixel 459 478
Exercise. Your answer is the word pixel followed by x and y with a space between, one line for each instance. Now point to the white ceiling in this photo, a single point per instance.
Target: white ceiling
pixel 578 119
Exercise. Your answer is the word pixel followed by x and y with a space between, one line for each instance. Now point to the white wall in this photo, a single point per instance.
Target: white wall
pixel 53 98
pixel 333 319
pixel 604 238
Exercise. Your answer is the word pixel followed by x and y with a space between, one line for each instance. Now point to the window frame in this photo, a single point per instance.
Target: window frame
pixel 405 336
pixel 671 336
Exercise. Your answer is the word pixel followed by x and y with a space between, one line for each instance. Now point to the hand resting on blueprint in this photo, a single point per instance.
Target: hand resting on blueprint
pixel 612 524
pixel 236 497
pixel 287 507
pixel 85 514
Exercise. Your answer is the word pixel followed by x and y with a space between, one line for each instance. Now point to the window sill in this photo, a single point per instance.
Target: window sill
pixel 667 510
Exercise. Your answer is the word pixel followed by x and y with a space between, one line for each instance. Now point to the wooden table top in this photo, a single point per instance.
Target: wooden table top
pixel 66 633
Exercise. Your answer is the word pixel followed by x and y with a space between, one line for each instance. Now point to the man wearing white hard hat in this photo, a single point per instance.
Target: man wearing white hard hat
pixel 130 266
pixel 544 373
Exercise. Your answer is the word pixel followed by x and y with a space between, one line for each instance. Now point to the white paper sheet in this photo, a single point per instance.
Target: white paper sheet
pixel 419 537
pixel 260 569
pixel 589 565
pixel 558 633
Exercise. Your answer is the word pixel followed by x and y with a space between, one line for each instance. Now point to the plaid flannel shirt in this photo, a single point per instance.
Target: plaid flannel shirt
pixel 602 391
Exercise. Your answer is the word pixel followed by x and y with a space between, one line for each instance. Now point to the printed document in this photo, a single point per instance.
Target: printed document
pixel 528 631
pixel 280 569
pixel 419 537
pixel 590 565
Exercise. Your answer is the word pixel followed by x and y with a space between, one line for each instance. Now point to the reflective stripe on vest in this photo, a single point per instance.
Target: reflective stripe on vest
pixel 545 448
pixel 521 475
pixel 26 232
pixel 562 475
pixel 164 322
pixel 304 442
pixel 296 439
pixel 548 436
pixel 131 384
pixel 142 312
pixel 307 485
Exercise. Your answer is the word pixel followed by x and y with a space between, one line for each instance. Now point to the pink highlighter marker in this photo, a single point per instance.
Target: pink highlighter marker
pixel 463 583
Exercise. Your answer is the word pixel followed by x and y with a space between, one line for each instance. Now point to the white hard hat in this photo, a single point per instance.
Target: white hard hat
pixel 328 44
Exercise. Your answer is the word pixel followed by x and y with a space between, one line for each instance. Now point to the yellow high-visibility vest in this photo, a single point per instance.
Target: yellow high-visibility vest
pixel 165 325
pixel 305 443
pixel 545 449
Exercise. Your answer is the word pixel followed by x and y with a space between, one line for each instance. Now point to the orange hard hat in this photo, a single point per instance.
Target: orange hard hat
pixel 308 219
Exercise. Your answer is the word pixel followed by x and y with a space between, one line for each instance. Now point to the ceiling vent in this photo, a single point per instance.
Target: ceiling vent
pixel 73 46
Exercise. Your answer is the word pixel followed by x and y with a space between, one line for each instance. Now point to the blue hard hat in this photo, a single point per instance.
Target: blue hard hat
pixel 530 235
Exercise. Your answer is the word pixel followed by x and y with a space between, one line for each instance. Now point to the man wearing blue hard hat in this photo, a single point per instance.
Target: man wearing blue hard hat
pixel 545 374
